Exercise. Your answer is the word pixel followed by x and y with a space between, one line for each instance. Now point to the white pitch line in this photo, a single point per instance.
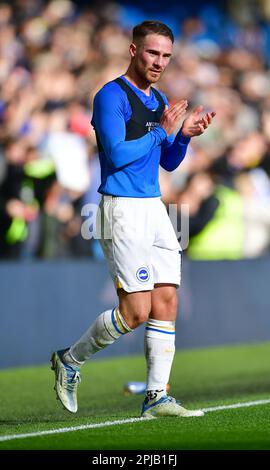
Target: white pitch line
pixel 69 429
pixel 237 405
pixel 122 421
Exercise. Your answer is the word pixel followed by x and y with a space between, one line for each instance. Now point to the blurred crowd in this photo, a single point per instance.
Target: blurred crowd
pixel 54 57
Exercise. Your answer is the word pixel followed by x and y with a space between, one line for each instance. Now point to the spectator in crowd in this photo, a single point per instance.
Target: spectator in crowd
pixel 54 56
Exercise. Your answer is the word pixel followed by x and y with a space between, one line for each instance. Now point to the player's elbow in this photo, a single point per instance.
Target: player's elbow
pixel 116 157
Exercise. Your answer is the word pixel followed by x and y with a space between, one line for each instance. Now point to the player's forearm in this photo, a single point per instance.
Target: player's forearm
pixel 126 152
pixel 173 154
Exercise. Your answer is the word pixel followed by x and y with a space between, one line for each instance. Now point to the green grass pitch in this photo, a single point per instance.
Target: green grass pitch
pixel 200 378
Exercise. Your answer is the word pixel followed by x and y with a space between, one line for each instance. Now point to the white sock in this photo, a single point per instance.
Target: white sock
pixel 69 359
pixel 107 328
pixel 159 352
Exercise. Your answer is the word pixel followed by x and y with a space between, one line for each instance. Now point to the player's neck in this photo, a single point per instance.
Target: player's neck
pixel 137 81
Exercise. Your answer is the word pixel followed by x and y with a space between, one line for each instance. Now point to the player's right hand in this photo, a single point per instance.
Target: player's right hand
pixel 171 117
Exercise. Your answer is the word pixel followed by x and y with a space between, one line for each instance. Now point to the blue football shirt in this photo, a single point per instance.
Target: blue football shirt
pixel 130 168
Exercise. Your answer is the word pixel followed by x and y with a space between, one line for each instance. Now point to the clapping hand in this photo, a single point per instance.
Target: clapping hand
pixel 172 116
pixel 194 125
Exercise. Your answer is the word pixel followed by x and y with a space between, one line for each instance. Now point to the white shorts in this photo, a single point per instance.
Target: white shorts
pixel 139 242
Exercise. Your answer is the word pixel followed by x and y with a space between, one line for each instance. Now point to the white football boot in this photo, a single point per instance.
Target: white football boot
pixel 67 379
pixel 167 406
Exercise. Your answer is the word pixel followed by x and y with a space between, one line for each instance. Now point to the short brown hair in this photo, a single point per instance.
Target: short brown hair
pixel 151 27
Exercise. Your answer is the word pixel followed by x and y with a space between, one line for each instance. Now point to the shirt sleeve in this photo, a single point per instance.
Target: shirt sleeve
pixel 109 124
pixel 173 151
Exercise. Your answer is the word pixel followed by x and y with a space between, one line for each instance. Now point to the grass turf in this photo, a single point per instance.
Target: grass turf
pixel 200 378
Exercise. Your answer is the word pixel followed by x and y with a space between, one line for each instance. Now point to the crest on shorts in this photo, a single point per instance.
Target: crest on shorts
pixel 143 274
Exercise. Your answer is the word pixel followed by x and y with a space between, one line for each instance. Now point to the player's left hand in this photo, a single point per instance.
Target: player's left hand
pixel 194 125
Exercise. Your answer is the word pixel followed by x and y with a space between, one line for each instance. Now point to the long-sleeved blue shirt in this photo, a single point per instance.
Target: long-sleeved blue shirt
pixel 130 168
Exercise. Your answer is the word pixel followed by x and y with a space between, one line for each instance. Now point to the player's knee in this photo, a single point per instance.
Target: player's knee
pixel 166 307
pixel 139 317
pixel 173 303
pixel 171 307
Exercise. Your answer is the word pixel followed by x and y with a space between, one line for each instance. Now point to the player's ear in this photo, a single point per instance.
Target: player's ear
pixel 132 49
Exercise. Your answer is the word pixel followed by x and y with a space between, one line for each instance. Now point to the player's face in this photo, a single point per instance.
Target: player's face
pixel 151 57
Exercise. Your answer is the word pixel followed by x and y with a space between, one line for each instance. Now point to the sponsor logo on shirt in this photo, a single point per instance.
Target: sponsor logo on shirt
pixel 151 125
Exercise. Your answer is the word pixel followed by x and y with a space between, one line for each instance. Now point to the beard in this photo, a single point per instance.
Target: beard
pixel 148 75
pixel 154 76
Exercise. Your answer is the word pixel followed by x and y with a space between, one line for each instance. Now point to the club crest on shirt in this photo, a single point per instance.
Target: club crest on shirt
pixel 142 274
